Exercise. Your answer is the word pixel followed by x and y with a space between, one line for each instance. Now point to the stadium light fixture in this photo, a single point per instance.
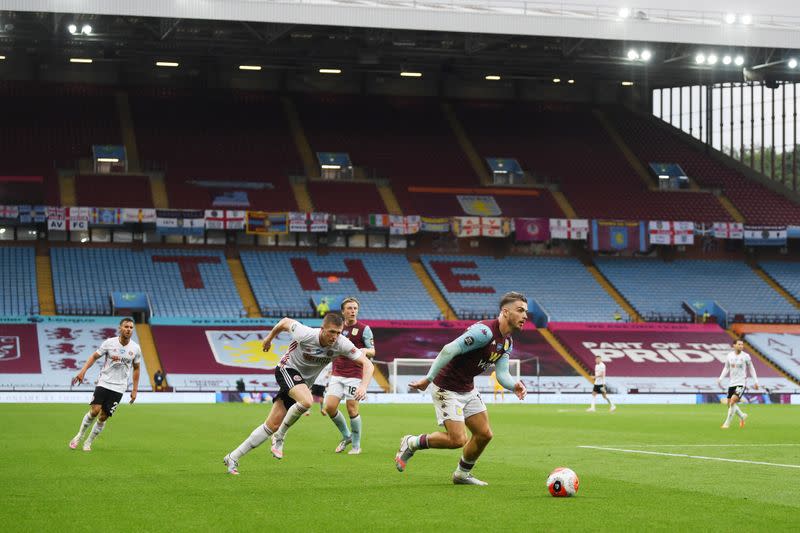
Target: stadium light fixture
pixel 730 18
pixel 700 59
pixel 2 58
pixel 406 74
pixel 84 239
pixel 330 71
pixel 627 83
pixel 250 67
pixel 72 29
pixel 726 60
pixel 712 59
pixel 633 55
pixel 556 80
pixel 86 29
pixel 79 60
pixel 492 77
pixel 571 82
pixel 2 230
pixel 646 55
pixel 746 19
pixel 792 63
pixel 172 64
pixel 739 61
pixel 108 160
pixel 624 12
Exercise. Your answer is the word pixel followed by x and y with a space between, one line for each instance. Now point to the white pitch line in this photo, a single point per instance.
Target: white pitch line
pixel 701 445
pixel 703 457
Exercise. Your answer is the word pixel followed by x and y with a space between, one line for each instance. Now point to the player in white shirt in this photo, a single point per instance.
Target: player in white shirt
pixel 737 363
pixel 600 385
pixel 121 356
pixel 310 350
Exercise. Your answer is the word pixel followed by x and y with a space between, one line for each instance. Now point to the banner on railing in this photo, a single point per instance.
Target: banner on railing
pixel 300 222
pixel 531 229
pixel 435 224
pixel 404 225
pixel 224 219
pixel 263 223
pixel 180 222
pixel 618 235
pixel 728 230
pixel 671 233
pixel 765 235
pixel 569 229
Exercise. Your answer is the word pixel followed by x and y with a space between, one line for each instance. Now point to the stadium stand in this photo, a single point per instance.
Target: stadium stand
pixel 239 136
pixel 567 145
pixel 113 191
pixel 70 118
pixel 653 142
pixel 474 284
pixel 180 283
pixel 534 203
pixel 655 286
pixel 786 274
pixel 18 296
pixel 780 348
pixel 345 197
pixel 415 145
pixel 285 282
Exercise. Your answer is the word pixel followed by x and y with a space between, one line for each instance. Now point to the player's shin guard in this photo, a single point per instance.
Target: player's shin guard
pixel 341 424
pixel 355 428
pixel 292 415
pixel 256 439
pixel 98 427
pixel 85 423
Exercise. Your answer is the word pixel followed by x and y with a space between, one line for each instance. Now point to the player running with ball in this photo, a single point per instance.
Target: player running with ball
pixel 458 405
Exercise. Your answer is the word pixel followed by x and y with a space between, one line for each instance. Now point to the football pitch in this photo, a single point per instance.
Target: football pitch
pixel 159 468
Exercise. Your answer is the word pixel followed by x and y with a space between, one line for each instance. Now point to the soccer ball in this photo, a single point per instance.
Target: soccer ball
pixel 562 482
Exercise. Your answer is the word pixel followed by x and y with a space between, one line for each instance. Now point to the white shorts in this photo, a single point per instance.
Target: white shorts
pixel 343 387
pixel 456 406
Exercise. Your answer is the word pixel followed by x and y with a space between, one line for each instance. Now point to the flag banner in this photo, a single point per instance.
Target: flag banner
pixel 728 230
pixel 379 221
pixel 792 232
pixel 55 212
pixel 348 222
pixel 78 225
pixel 36 214
pixel 224 219
pixel 404 225
pixel 105 216
pixel 82 214
pixel 180 222
pixel 135 215
pixel 467 226
pixel 300 222
pixel 703 229
pixel 495 227
pixel 479 206
pixel 56 224
pixel 531 229
pixel 671 233
pixel 765 235
pixel 435 224
pixel 618 235
pixel 231 199
pixel 9 212
pixel 263 223
pixel 569 229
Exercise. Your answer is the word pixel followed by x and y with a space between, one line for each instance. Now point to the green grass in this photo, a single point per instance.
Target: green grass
pixel 158 467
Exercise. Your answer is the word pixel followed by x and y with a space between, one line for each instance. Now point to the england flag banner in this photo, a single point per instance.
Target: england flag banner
pixel 765 236
pixel 569 229
pixel 728 230
pixel 224 219
pixel 671 233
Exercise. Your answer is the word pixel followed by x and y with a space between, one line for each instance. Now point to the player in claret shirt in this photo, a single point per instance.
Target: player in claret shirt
pixel 458 405
pixel 346 377
pixel 120 355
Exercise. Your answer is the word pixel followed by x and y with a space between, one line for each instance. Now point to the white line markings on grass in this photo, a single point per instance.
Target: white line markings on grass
pixel 699 445
pixel 703 457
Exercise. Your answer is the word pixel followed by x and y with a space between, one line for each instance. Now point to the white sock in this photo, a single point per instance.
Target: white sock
pixel 730 415
pixel 98 427
pixel 87 421
pixel 341 423
pixel 609 402
pixel 256 439
pixel 294 412
pixel 355 429
pixel 593 402
pixel 464 466
pixel 738 411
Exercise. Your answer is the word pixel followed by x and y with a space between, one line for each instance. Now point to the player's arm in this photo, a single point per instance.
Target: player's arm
pixel 725 370
pixel 505 379
pixel 135 387
pixel 369 343
pixel 89 362
pixel 285 324
pixel 367 368
pixel 753 372
pixel 476 336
